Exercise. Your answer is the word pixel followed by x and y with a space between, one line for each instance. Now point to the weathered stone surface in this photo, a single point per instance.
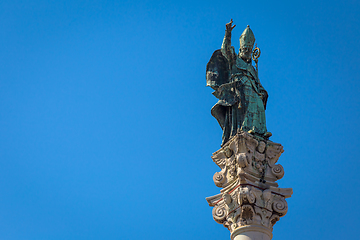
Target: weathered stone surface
pixel 249 195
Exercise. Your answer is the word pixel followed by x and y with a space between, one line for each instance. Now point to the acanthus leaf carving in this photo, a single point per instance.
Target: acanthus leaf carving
pixel 264 215
pixel 247 215
pixel 248 173
pixel 274 218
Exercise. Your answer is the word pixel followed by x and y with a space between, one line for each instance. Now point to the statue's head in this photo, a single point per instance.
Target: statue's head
pixel 261 147
pixel 228 152
pixel 247 40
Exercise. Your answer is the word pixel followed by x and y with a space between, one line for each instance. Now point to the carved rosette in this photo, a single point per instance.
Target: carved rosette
pixel 250 195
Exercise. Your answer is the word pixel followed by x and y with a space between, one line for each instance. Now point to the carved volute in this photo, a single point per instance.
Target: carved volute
pixel 249 194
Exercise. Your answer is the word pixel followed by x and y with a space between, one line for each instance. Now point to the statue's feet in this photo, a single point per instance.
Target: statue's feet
pixel 251 131
pixel 268 134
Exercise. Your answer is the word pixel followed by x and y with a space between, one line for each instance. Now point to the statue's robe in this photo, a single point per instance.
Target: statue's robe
pixel 242 99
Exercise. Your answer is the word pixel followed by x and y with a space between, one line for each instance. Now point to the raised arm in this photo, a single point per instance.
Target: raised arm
pixel 226 45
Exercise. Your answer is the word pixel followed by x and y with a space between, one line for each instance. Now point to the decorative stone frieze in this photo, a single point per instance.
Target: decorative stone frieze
pixel 250 199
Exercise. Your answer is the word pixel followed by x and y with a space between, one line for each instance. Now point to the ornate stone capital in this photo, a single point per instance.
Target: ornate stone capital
pixel 250 197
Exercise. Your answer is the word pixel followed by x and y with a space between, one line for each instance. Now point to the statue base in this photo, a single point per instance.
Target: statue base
pixel 250 201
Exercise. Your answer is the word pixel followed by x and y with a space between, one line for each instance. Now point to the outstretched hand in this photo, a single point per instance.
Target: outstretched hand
pixel 229 26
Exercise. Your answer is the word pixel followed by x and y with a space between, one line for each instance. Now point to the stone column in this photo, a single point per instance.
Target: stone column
pixel 250 201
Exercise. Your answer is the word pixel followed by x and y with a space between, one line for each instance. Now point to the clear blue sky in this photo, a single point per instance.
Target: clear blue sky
pixel 105 127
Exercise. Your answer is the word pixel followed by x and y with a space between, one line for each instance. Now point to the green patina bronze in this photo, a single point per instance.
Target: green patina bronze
pixel 242 98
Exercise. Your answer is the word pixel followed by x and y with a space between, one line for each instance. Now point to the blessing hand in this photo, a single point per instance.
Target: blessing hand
pixel 229 26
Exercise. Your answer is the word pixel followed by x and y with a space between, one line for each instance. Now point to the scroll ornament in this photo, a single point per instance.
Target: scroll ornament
pixel 249 193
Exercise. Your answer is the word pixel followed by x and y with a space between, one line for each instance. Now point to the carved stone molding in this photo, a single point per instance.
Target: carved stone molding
pixel 249 195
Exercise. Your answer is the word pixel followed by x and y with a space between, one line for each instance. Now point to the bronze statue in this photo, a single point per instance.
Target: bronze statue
pixel 242 98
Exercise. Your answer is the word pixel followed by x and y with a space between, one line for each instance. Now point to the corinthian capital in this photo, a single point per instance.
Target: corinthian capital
pixel 249 197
